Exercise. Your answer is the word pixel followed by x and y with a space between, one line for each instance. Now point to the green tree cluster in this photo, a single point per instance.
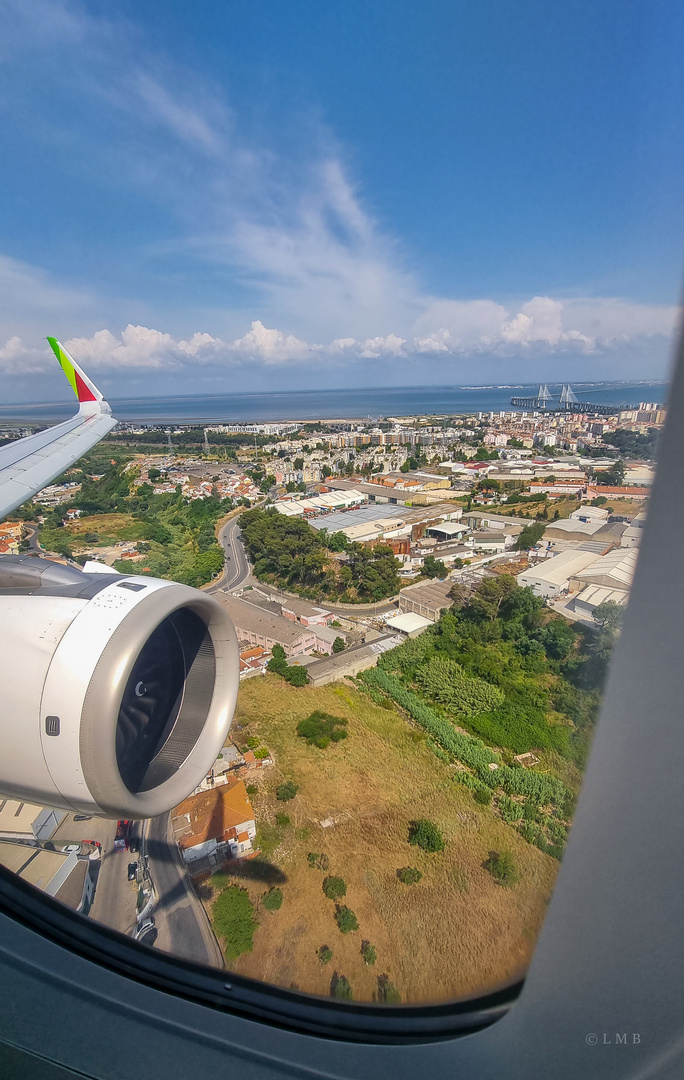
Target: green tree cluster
pixel 233 918
pixel 320 728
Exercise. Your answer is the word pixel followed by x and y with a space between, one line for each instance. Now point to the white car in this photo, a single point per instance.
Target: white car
pixel 68 848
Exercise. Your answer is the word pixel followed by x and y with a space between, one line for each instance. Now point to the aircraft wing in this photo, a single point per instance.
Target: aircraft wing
pixel 28 465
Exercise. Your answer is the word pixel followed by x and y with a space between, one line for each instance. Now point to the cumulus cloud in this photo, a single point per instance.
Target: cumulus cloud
pixel 391 345
pixel 271 346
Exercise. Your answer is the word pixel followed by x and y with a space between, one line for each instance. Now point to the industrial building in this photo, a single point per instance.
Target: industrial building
pixel 260 627
pixel 552 577
pixel 61 874
pixel 426 599
pixel 409 624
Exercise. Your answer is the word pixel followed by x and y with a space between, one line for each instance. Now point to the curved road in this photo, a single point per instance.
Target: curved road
pixel 237 571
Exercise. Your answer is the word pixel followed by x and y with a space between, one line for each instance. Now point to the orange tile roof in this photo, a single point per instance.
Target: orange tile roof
pixel 213 815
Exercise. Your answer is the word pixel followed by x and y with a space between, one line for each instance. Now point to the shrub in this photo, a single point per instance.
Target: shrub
pixel 346 920
pixel 502 868
pixel 286 791
pixel 334 888
pixel 319 728
pixel 253 742
pixel 233 917
pixel 273 899
pixel 368 953
pixel 252 789
pixel 409 875
pixel 386 993
pixel 324 954
pixel 426 835
pixel 445 680
pixel 282 819
pixel 340 988
pixel 262 753
pixel 470 751
pixel 296 676
pixel 483 795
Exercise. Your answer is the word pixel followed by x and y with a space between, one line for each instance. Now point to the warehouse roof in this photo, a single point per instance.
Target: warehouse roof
pixel 616 569
pixel 255 620
pixel 408 622
pixel 559 568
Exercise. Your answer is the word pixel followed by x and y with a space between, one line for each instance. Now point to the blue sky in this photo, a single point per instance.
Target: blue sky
pixel 217 196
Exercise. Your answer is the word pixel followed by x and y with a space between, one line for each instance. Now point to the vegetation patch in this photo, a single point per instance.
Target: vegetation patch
pixel 273 899
pixel 346 920
pixel 501 866
pixel 425 834
pixel 340 988
pixel 334 888
pixel 286 791
pixel 233 918
pixel 409 875
pixel 320 728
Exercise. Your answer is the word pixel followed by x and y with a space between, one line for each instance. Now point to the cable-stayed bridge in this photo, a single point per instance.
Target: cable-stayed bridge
pixel 566 402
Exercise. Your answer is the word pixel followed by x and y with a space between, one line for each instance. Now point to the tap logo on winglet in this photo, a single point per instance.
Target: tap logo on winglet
pixel 84 389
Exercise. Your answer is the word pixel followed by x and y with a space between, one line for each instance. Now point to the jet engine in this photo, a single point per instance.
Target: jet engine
pixel 117 691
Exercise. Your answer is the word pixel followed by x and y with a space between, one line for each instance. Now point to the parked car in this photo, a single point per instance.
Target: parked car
pixel 144 928
pixel 149 937
pixel 68 848
pixel 134 843
pixel 132 871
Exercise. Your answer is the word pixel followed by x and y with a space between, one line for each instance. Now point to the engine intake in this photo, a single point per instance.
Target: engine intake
pixel 119 691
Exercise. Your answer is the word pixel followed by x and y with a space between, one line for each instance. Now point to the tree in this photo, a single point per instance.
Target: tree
pixel 298 464
pixel 233 918
pixel 434 567
pixel 319 728
pixel 615 476
pixel 340 988
pixel 346 920
pixel 368 953
pixel 530 536
pixel 387 993
pixel 426 835
pixel 409 875
pixel 334 888
pixel 286 791
pixel 501 866
pixel 273 899
pixel 339 645
pixel 609 616
pixel 296 676
pixel 325 954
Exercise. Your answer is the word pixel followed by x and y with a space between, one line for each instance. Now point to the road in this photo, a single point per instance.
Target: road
pixel 181 921
pixel 115 896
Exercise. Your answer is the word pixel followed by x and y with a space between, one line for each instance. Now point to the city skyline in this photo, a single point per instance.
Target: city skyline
pixel 229 200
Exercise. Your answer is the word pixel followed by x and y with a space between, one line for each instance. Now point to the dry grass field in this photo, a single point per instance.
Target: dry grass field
pixel 107 527
pixel 454 933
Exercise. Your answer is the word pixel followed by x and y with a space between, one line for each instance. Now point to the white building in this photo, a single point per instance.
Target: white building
pixel 552 577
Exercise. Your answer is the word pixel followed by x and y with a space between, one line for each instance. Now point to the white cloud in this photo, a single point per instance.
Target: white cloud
pixel 271 346
pixel 391 344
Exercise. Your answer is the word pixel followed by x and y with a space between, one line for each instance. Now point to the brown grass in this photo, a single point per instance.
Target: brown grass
pixel 109 527
pixel 453 933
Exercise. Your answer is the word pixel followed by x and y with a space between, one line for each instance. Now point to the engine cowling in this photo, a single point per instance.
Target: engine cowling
pixel 118 691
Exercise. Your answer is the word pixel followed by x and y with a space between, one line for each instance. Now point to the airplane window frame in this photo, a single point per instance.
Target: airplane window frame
pixel 352 1022
pixel 251 999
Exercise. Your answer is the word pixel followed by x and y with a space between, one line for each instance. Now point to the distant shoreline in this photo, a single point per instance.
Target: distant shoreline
pixel 331 406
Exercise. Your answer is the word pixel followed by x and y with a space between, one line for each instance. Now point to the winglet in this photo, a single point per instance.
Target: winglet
pixel 90 398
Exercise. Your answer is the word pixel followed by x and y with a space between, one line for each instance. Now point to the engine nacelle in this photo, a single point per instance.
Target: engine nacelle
pixel 117 691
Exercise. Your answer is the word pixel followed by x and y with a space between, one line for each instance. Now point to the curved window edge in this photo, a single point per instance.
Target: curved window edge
pixel 248 998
